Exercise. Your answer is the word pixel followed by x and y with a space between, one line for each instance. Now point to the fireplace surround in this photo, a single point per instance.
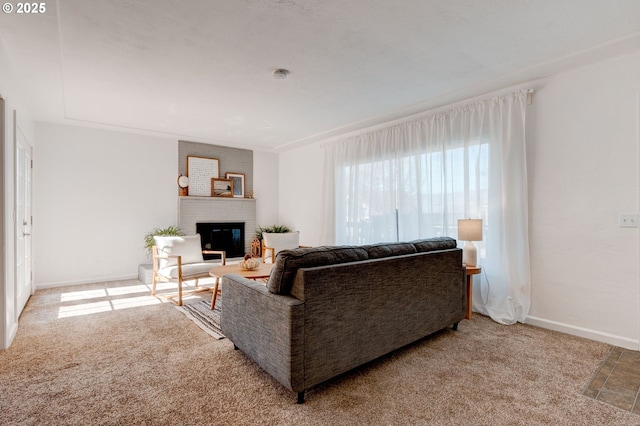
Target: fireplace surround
pixel 194 210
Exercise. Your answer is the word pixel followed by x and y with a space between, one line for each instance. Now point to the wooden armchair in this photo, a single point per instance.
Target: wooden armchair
pixel 179 259
pixel 276 242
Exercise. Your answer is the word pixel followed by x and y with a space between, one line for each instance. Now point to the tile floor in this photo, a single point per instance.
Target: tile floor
pixel 617 381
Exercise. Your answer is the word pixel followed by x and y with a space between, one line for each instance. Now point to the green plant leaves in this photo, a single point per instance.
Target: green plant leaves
pixel 273 229
pixel 168 231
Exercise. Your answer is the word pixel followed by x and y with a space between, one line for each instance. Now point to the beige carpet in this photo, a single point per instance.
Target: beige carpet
pixel 111 354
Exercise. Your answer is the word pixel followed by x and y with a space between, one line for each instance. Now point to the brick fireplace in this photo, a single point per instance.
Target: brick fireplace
pixel 194 210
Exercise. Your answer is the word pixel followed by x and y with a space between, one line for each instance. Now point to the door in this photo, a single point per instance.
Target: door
pixel 24 276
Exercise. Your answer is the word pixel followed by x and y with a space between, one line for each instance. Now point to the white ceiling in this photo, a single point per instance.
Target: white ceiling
pixel 202 69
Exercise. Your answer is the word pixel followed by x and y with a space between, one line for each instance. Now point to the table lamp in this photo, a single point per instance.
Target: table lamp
pixel 470 230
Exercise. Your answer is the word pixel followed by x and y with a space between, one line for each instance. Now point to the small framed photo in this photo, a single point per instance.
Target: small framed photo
pixel 221 187
pixel 238 183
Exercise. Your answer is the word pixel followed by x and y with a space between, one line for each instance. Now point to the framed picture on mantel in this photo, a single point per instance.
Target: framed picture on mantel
pixel 200 171
pixel 238 183
pixel 221 187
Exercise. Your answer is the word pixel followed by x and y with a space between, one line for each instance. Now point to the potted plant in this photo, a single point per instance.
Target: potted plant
pixel 164 232
pixel 256 244
pixel 273 229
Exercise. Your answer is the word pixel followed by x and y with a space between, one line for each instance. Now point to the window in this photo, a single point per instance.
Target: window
pixel 417 178
pixel 402 198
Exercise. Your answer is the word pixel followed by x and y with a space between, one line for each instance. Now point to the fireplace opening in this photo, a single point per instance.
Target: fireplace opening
pixel 227 236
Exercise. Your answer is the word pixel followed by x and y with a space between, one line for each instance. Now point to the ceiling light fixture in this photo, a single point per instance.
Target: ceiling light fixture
pixel 280 74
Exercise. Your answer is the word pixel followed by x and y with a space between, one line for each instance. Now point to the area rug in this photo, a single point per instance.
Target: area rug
pixel 201 314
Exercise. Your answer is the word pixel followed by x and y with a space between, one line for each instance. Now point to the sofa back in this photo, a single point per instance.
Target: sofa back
pixel 288 262
pixel 358 311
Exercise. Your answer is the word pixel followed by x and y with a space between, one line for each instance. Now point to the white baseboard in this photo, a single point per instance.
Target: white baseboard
pixel 623 342
pixel 80 282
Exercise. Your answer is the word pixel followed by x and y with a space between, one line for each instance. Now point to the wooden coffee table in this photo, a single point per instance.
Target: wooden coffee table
pixel 263 271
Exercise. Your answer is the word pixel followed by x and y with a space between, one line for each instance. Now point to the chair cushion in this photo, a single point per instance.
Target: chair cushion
pixel 377 251
pixel 435 243
pixel 189 247
pixel 191 270
pixel 289 261
pixel 281 241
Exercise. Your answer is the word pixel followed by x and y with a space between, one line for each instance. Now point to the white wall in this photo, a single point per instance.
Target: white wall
pixel 301 186
pixel 265 187
pixel 13 95
pixel 583 168
pixel 97 193
pixel 583 164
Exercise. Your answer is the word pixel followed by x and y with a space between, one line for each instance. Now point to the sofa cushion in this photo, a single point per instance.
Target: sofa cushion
pixel 435 243
pixel 377 251
pixel 289 261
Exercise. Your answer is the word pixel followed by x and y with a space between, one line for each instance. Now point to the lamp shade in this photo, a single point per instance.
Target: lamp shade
pixel 470 229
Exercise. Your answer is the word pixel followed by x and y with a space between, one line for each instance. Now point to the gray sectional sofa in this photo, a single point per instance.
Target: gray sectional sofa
pixel 326 310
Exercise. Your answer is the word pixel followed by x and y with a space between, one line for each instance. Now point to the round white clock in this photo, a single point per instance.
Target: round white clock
pixel 183 181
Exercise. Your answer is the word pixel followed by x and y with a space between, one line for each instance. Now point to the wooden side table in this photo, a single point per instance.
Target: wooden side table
pixel 471 270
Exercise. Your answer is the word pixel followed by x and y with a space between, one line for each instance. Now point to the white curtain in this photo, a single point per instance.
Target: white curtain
pixel 416 179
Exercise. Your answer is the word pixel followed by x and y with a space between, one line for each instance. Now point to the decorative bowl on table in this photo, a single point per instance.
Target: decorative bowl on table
pixel 250 264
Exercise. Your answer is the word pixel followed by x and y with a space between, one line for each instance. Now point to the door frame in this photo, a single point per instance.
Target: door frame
pixel 6 333
pixel 26 144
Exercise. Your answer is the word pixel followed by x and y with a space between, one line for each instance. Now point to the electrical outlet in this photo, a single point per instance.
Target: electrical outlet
pixel 629 220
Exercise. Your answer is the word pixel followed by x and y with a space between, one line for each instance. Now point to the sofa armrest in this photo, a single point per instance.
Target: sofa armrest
pixel 267 327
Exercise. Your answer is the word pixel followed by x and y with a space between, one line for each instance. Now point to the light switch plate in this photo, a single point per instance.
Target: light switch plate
pixel 629 220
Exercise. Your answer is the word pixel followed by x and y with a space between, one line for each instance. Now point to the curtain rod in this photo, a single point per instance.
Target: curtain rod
pixel 410 117
pixel 529 93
